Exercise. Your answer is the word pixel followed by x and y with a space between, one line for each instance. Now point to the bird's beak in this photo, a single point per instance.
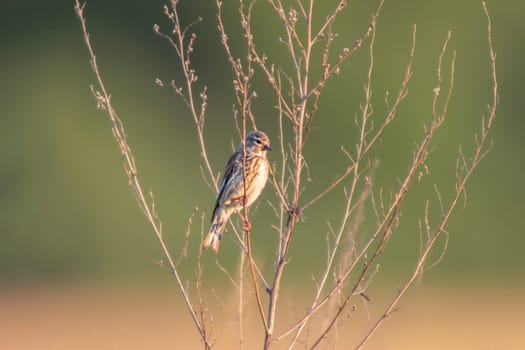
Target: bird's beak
pixel 267 148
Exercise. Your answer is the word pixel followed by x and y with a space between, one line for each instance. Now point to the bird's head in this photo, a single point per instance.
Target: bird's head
pixel 258 142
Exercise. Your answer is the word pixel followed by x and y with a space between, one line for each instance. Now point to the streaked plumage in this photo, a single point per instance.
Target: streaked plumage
pixel 231 191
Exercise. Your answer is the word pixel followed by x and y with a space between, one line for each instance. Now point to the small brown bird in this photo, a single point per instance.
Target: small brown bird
pixel 231 195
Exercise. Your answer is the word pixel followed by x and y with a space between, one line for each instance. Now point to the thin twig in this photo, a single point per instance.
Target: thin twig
pixel 478 155
pixel 103 98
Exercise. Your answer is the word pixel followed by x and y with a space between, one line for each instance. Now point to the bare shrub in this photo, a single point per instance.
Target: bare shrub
pixel 351 263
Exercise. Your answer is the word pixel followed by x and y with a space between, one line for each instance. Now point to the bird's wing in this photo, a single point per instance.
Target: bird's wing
pixel 231 166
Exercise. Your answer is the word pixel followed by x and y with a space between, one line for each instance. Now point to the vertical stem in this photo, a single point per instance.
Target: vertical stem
pixel 119 135
pixel 302 79
pixel 241 299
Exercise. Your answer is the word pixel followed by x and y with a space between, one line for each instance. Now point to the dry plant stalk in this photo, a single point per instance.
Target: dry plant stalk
pixel 350 267
pixel 148 207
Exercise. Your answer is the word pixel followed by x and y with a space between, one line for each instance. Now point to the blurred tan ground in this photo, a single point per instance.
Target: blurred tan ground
pixel 132 318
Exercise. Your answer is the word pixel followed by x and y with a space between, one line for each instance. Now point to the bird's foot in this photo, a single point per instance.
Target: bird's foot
pixel 246 225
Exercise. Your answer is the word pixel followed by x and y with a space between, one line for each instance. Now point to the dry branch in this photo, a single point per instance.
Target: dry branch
pixel 350 265
pixel 148 208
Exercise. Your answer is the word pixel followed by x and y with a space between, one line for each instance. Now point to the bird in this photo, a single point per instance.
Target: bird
pixel 242 173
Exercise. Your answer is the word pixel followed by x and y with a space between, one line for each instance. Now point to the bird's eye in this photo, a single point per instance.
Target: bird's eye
pixel 258 141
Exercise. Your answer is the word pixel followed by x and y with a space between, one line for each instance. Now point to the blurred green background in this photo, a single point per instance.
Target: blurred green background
pixel 66 213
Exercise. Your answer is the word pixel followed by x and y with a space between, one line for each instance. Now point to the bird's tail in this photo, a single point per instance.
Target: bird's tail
pixel 213 239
